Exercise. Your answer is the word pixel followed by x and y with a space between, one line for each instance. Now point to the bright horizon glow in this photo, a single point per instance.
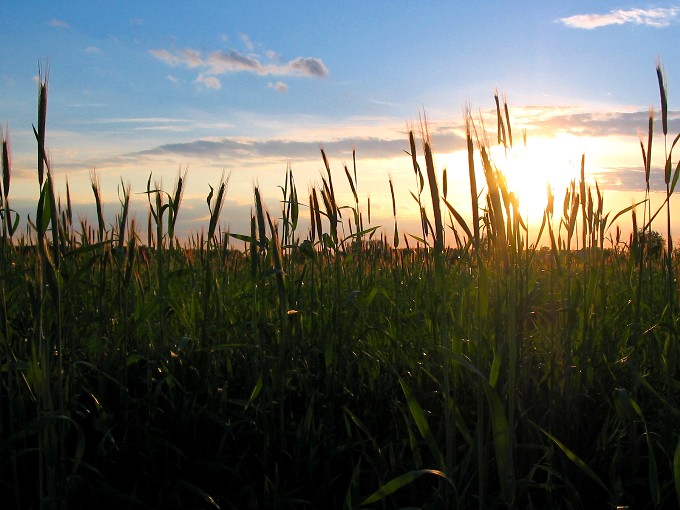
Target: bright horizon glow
pixel 530 170
pixel 222 89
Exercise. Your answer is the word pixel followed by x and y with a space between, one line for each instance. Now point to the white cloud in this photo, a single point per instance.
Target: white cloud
pixel 192 58
pixel 220 62
pixel 307 66
pixel 92 50
pixel 253 151
pixel 140 120
pixel 166 57
pixel 58 23
pixel 279 86
pixel 246 40
pixel 210 82
pixel 233 61
pixel 188 57
pixel 659 18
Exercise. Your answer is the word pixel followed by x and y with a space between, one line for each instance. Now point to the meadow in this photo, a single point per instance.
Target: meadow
pixel 459 367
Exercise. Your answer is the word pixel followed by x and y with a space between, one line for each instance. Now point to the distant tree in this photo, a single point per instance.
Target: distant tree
pixel 652 241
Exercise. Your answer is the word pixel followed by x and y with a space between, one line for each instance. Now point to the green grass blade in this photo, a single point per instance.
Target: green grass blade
pixel 434 194
pixel 198 492
pixel 44 212
pixel 624 211
pixel 576 460
pixel 459 219
pixel 397 483
pixel 6 164
pixel 664 100
pixel 421 422
pixel 676 471
pixel 495 368
pixel 256 391
pixel 652 469
pixel 502 445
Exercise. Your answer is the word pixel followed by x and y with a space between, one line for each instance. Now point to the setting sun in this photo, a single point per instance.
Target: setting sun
pixel 529 170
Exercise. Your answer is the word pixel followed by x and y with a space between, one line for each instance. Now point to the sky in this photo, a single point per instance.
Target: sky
pixel 246 90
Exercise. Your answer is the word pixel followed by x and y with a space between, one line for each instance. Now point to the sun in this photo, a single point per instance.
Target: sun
pixel 530 170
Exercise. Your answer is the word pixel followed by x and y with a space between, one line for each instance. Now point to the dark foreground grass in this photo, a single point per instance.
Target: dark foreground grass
pixel 465 370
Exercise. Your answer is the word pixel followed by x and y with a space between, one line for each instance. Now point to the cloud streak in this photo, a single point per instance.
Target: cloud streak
pixel 657 18
pixel 279 86
pixel 210 82
pixel 58 23
pixel 605 124
pixel 218 63
pixel 630 179
pixel 285 150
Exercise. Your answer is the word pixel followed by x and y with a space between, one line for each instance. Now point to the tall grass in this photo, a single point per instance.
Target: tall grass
pixel 326 367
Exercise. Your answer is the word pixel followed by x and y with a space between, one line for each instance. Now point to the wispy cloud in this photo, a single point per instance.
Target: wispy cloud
pixel 219 62
pixel 246 40
pixel 139 120
pixel 187 57
pixel 210 82
pixel 596 124
pixel 305 66
pixel 58 23
pixel 129 124
pixel 281 150
pixel 658 18
pixel 284 150
pixel 279 86
pixel 92 50
pixel 213 64
pixel 629 179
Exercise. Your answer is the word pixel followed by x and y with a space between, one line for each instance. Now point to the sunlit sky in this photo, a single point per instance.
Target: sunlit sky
pixel 247 89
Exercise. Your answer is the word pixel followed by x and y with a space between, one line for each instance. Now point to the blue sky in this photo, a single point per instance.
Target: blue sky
pixel 246 88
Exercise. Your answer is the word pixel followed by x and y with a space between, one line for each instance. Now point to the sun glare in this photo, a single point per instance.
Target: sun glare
pixel 530 169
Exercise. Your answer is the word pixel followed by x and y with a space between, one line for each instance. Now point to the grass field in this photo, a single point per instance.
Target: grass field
pixel 460 367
